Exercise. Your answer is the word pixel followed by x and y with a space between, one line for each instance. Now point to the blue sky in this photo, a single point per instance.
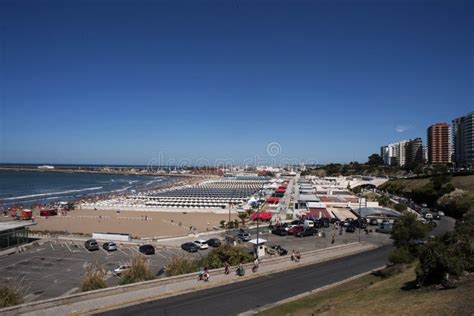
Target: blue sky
pixel 124 82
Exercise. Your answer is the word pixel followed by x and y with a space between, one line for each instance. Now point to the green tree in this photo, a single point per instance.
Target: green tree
pixel 400 207
pixel 243 217
pixel 407 229
pixel 375 160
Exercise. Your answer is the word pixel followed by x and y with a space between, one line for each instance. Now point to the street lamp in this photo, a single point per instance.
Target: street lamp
pixel 360 201
pixel 258 215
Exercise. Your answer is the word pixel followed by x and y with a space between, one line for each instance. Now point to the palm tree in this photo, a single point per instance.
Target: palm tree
pixel 243 217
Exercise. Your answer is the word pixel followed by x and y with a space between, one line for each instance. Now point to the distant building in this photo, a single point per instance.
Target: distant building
pixel 414 151
pixel 389 154
pixel 439 144
pixel 463 141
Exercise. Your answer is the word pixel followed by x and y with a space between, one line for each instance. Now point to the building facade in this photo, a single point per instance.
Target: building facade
pixel 439 147
pixel 463 141
pixel 414 151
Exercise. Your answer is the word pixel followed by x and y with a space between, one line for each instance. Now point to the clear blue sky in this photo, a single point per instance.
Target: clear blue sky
pixel 119 82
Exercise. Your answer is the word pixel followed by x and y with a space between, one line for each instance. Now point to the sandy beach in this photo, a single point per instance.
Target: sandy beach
pixel 135 223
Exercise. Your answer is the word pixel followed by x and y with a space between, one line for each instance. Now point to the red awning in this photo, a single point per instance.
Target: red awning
pixel 280 191
pixel 265 216
pixel 273 200
pixel 282 187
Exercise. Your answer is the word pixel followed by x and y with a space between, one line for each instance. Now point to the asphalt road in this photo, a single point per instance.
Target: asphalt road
pixel 239 297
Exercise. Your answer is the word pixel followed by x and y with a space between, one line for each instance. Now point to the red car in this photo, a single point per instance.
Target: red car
pixel 295 229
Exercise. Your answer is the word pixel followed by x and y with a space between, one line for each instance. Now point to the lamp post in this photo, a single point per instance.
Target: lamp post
pixel 360 201
pixel 258 217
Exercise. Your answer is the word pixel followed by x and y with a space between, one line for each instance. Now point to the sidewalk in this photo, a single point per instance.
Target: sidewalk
pixel 112 298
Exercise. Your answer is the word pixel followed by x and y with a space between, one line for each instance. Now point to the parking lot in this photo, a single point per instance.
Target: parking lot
pixel 54 268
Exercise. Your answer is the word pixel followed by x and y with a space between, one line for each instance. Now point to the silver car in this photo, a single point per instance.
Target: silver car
pixel 110 246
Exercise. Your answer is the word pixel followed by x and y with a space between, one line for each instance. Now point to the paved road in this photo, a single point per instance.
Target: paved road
pixel 239 297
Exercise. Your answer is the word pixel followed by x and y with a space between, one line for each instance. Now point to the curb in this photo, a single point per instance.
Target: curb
pixel 306 294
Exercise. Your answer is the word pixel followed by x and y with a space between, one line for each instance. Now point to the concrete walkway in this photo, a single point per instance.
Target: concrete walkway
pixel 152 290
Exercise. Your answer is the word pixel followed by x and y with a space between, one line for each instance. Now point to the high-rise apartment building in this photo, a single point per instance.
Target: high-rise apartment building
pixel 439 147
pixel 463 141
pixel 414 151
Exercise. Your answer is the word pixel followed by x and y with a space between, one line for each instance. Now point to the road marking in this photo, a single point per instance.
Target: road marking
pixel 159 254
pixel 122 251
pixel 51 244
pixel 68 248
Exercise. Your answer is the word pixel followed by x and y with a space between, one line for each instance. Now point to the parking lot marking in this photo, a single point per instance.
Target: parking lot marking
pixel 122 251
pixel 51 244
pixel 136 250
pixel 159 254
pixel 68 248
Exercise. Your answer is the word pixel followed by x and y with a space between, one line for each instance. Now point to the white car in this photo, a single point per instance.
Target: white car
pixel 428 216
pixel 440 213
pixel 201 244
pixel 121 269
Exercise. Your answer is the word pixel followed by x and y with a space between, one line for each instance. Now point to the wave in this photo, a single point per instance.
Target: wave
pixel 120 190
pixel 52 193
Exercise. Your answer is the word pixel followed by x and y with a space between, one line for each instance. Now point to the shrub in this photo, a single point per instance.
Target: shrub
pixel 139 271
pixel 11 293
pixel 400 207
pixel 181 265
pixel 233 254
pixel 455 203
pixel 93 278
pixel 401 255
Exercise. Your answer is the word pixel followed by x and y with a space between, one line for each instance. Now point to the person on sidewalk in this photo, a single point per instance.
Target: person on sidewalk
pixel 255 265
pixel 226 267
pixel 293 255
pixel 240 269
pixel 298 256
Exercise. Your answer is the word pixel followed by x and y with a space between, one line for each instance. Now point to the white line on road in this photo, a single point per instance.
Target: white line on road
pixel 51 246
pixel 122 251
pixel 68 248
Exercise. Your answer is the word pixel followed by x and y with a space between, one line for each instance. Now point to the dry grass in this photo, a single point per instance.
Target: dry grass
pixel 93 278
pixel 371 295
pixel 139 271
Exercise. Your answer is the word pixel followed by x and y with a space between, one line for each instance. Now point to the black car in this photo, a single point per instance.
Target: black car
pixel 318 223
pixel 373 222
pixel 91 244
pixel 190 247
pixel 306 232
pixel 213 242
pixel 147 249
pixel 326 222
pixel 280 231
pixel 360 223
pixel 350 229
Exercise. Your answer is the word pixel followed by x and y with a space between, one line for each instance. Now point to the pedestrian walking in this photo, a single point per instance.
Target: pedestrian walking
pixel 226 267
pixel 255 265
pixel 240 269
pixel 293 255
pixel 298 256
pixel 333 238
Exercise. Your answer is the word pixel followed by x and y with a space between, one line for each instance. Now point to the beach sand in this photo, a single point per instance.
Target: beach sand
pixel 135 223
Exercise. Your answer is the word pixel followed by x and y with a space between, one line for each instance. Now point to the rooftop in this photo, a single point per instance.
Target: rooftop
pixel 15 224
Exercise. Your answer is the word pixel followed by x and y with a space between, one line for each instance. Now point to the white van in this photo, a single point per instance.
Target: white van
pixel 308 223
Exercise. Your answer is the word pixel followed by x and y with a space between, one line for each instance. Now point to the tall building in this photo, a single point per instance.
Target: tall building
pixel 463 141
pixel 414 151
pixel 394 154
pixel 439 144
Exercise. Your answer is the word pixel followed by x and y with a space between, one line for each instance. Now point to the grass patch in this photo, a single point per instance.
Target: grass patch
pixel 465 183
pixel 373 295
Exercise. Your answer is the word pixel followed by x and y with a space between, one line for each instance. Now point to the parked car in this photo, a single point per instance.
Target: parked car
pixel 201 244
pixel 91 245
pixel 325 221
pixel 373 222
pixel 309 231
pixel 190 247
pixel 436 217
pixel 350 229
pixel 384 229
pixel 294 230
pixel 118 271
pixel 360 223
pixel 147 249
pixel 429 216
pixel 244 236
pixel 109 246
pixel 440 213
pixel 213 242
pixel 280 231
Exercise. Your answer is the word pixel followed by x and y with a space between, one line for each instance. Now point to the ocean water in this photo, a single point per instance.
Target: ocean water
pixel 30 187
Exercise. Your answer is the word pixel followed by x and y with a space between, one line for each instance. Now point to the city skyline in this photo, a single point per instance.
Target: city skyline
pixel 329 82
